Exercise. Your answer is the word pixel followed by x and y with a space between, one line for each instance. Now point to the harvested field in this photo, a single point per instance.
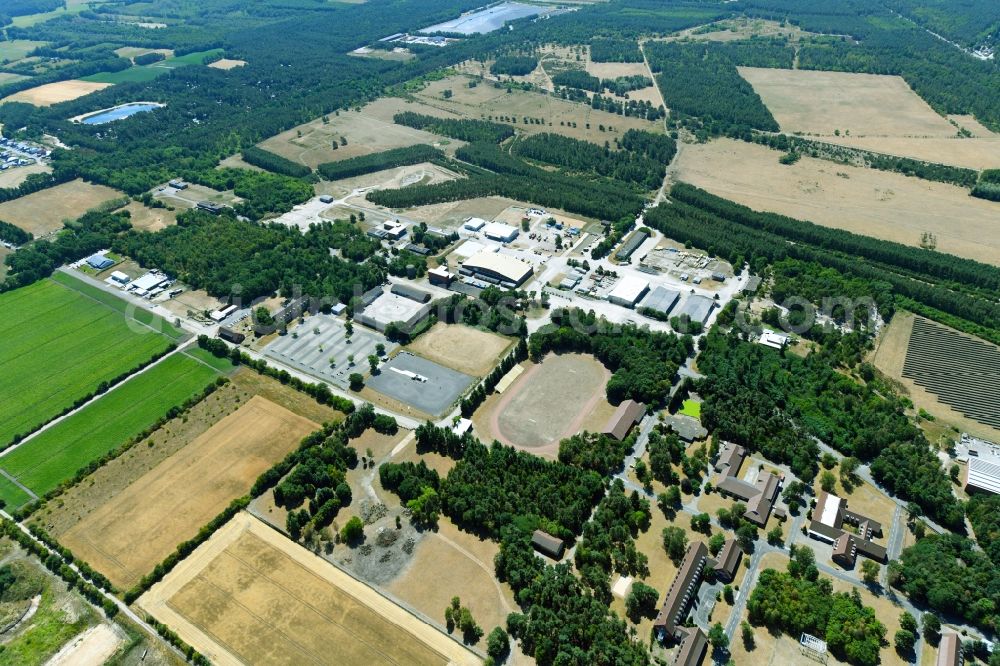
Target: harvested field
pixel 459 347
pixel 975 153
pixel 56 454
pixel 91 648
pixel 874 203
pixel 53 93
pixel 815 102
pixel 59 345
pixel 139 527
pixel 961 370
pixel 578 121
pixel 227 64
pixel 449 563
pixel 150 219
pixel 14 177
pixel 453 214
pixel 550 401
pixel 249 595
pixel 43 212
pixel 370 130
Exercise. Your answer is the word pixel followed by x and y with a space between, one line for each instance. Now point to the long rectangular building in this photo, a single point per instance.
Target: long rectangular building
pixel 681 592
pixel 498 268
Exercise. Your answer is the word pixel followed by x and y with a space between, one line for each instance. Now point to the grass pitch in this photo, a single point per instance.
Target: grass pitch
pixel 56 454
pixel 60 345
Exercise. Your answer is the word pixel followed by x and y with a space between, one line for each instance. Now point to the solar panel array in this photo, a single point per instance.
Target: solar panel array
pixel 963 372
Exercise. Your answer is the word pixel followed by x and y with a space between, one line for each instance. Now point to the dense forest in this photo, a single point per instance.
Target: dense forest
pixel 265 159
pixel 218 253
pixel 463 130
pixel 387 159
pixel 577 78
pixel 514 65
pixel 14 235
pixel 588 158
pixel 263 193
pixel 701 81
pixel 615 50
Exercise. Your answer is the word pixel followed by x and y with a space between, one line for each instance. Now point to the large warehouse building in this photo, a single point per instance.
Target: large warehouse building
pixel 495 268
pixel 698 308
pixel 660 301
pixel 501 232
pixel 628 291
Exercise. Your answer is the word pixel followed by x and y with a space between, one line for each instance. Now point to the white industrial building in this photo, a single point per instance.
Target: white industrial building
pixel 497 268
pixel 774 340
pixel 500 232
pixel 983 474
pixel 628 291
pixel 148 282
pixel 474 224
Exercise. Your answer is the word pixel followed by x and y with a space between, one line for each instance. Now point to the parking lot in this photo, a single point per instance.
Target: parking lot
pixel 311 346
pixel 434 389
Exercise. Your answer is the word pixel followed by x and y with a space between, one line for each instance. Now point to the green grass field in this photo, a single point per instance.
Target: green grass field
pixel 11 495
pixel 691 408
pixel 58 345
pixel 58 453
pixel 221 364
pixel 145 73
pixel 142 316
pixel 15 49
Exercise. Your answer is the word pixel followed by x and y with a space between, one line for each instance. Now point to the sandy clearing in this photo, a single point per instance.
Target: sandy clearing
pixel 227 63
pixel 815 102
pixel 53 93
pixel 127 536
pixel 874 203
pixel 91 648
pixel 250 590
pixel 461 348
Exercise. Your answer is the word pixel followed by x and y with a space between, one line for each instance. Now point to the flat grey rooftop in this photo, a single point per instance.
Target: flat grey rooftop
pixel 443 387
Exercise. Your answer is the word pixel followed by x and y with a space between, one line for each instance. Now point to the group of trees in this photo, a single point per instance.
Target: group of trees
pixel 219 252
pixel 461 129
pixel 988 186
pixel 478 395
pixel 263 193
pixel 643 362
pixel 588 158
pixel 596 451
pixel 701 81
pixel 624 84
pixel 514 65
pixel 797 601
pixel 577 78
pixel 387 159
pixel 14 235
pixel 630 108
pixel 607 49
pixel 265 159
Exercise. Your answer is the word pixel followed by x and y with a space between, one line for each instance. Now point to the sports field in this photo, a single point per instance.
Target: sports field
pixel 461 348
pixel 59 345
pixel 250 595
pixel 550 401
pixel 43 212
pixel 881 204
pixel 137 528
pixel 56 454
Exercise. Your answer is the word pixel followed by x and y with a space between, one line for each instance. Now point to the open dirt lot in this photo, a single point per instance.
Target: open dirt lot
pixel 889 356
pixel 461 348
pixel 129 535
pixel 814 102
pixel 43 212
pixel 53 93
pixel 875 203
pixel 91 648
pixel 485 101
pixel 150 219
pixel 249 595
pixel 550 401
pixel 14 177
pixel 367 131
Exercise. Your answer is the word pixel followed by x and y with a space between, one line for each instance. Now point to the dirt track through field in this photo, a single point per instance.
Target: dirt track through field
pixel 250 595
pixel 127 536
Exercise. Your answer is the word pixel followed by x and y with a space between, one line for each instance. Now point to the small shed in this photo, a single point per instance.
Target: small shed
pixel 548 545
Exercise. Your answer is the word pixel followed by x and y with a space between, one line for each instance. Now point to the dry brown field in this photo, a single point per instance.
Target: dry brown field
pixel 975 153
pixel 16 176
pixel 889 356
pixel 970 123
pixel 453 214
pixel 865 201
pixel 127 536
pixel 741 28
pixel 485 101
pixel 449 563
pixel 251 596
pixel 53 93
pixel 461 348
pixel 815 102
pixel 43 212
pixel 150 219
pixel 423 173
pixel 370 130
pixel 226 64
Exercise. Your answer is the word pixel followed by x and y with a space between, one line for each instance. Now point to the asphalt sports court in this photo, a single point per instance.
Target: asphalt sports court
pixel 434 396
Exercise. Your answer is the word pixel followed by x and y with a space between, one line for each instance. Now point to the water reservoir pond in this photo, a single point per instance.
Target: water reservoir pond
pixel 119 112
